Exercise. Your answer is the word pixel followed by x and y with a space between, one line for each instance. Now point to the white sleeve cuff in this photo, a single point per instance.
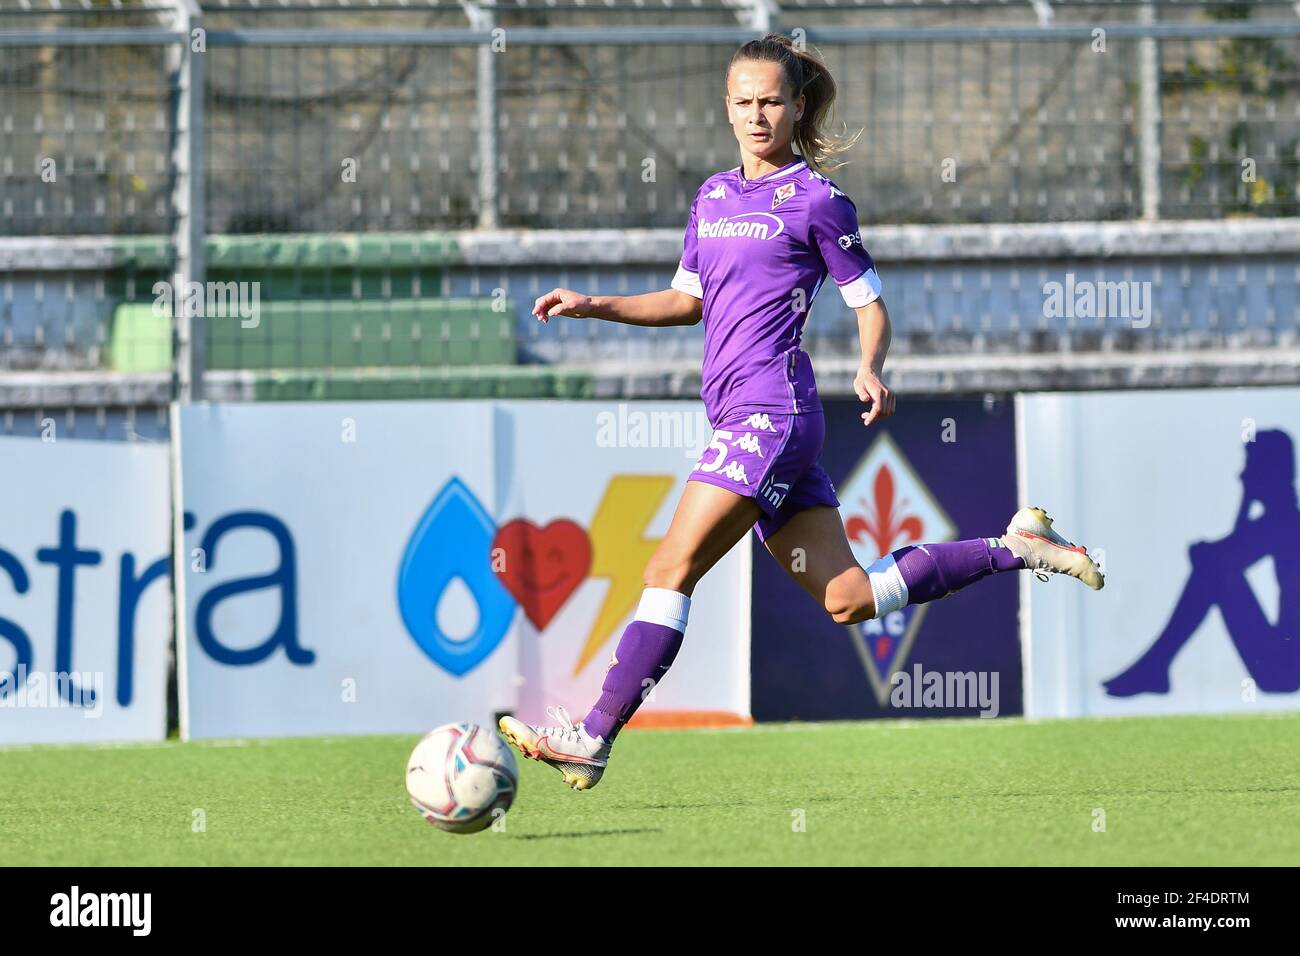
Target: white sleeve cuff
pixel 863 290
pixel 688 282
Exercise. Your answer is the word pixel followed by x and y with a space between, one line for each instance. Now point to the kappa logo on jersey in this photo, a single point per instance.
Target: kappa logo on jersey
pixel 746 225
pixel 834 190
pixel 736 472
pixel 760 422
pixel 782 193
pixel 852 239
pixel 718 192
pixel 886 506
pixel 748 442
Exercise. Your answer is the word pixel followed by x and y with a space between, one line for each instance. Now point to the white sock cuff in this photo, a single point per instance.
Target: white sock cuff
pixel 662 606
pixel 888 589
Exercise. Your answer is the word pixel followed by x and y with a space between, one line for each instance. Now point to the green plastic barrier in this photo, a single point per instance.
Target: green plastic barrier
pixel 139 340
pixel 365 334
pixel 328 334
pixel 521 381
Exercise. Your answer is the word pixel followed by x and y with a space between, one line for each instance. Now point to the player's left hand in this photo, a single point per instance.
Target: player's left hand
pixel 870 388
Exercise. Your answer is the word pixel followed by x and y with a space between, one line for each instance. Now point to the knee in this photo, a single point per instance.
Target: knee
pixel 850 602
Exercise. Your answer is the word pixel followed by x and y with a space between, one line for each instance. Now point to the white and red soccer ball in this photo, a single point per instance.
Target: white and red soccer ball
pixel 462 778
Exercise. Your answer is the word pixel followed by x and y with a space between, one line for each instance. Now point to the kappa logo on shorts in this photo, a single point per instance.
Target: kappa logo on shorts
pixel 736 472
pixel 722 440
pixel 760 422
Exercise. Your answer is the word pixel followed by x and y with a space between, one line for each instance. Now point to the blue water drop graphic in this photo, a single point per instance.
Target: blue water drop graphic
pixel 453 540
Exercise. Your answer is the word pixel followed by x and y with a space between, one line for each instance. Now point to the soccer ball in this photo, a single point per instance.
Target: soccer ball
pixel 459 776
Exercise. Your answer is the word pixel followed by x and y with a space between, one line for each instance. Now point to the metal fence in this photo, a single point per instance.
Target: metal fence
pixel 297 146
pixel 332 129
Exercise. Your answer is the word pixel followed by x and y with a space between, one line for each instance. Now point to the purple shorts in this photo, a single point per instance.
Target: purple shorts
pixel 772 458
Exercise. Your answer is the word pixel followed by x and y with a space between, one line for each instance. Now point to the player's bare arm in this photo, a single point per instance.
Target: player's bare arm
pixel 874 332
pixel 665 308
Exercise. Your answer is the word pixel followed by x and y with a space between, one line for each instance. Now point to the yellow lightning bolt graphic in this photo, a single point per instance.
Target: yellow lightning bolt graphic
pixel 620 550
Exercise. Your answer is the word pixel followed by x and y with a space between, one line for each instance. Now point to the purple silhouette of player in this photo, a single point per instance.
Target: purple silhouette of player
pixel 1271 652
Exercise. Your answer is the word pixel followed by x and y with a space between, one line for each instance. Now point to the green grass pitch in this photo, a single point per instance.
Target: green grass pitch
pixel 1194 790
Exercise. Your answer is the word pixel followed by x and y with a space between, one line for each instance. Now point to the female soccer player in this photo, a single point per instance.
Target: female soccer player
pixel 761 240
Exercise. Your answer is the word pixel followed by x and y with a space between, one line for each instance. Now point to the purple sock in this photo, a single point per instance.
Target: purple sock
pixel 644 653
pixel 927 572
pixel 1004 559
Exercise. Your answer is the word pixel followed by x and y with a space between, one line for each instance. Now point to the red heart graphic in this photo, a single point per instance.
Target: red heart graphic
pixel 542 566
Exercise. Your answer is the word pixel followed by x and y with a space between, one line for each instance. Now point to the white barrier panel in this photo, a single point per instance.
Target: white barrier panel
pixel 1188 498
pixel 85 603
pixel 613 472
pixel 386 566
pixel 297 517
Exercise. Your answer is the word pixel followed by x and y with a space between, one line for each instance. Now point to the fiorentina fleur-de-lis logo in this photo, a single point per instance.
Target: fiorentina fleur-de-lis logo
pixel 886 519
pixel 886 506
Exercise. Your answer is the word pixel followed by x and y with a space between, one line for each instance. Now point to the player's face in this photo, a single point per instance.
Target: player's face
pixel 761 108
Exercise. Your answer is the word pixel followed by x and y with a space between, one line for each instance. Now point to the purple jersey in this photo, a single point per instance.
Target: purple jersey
pixel 756 253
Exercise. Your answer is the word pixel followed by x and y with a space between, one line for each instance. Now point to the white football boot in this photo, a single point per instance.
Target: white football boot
pixel 1031 538
pixel 567 747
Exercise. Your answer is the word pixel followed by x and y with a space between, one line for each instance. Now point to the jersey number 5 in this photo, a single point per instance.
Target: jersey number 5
pixel 719 437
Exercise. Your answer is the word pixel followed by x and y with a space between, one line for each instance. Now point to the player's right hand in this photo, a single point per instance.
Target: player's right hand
pixel 566 302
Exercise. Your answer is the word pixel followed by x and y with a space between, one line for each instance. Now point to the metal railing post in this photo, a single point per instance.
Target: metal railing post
pixel 188 240
pixel 486 107
pixel 1149 115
